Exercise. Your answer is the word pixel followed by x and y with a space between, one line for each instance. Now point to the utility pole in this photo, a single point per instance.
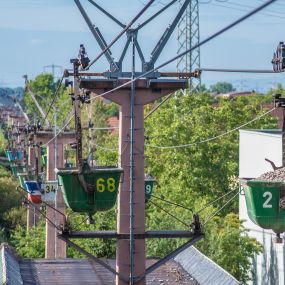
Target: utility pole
pixel 53 67
pixel 189 36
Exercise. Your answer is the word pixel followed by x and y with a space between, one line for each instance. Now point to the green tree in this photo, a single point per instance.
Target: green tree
pixel 44 88
pixel 222 87
pixel 198 174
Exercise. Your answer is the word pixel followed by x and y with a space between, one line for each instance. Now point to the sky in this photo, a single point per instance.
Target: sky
pixel 38 33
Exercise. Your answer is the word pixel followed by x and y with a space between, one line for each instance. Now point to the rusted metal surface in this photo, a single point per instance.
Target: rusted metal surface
pixel 147 234
pixel 142 84
pixel 85 272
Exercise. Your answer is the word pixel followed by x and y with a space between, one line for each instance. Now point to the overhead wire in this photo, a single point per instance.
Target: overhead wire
pixel 219 210
pixel 213 202
pixel 225 5
pixel 120 34
pixel 231 70
pixel 215 137
pixel 168 213
pixel 213 36
pixel 172 203
pixel 53 100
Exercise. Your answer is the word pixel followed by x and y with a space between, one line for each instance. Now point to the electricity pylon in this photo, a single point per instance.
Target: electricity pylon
pixel 189 36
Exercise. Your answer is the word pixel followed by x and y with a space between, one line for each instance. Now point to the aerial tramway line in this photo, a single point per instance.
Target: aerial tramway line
pixel 89 189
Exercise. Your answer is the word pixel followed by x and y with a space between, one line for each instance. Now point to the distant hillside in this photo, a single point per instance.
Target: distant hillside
pixel 18 92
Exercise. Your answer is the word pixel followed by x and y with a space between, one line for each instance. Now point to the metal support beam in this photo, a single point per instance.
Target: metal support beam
pixel 89 255
pixel 155 15
pixel 165 37
pixel 98 37
pixel 115 235
pixel 107 14
pixel 170 256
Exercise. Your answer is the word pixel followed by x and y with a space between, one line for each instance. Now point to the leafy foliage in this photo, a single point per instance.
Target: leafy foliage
pixel 222 87
pixel 193 176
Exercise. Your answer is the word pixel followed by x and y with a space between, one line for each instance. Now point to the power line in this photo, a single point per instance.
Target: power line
pixel 245 10
pixel 212 138
pixel 53 100
pixel 213 36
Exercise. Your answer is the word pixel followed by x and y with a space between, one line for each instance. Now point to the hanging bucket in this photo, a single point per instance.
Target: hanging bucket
pixel 19 155
pixel 44 159
pixel 32 186
pixel 14 169
pixel 43 150
pixel 35 197
pixel 22 177
pixel 10 155
pixel 105 182
pixel 17 169
pixel 265 202
pixel 148 188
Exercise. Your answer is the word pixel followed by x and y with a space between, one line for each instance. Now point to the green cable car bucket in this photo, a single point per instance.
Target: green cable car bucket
pixel 104 182
pixel 265 202
pixel 17 169
pixel 148 188
pixel 22 177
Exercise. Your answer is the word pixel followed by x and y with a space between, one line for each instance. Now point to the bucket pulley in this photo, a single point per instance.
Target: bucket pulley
pixel 85 188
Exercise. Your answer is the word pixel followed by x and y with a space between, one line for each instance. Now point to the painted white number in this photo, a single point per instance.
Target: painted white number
pixel 148 189
pixel 267 195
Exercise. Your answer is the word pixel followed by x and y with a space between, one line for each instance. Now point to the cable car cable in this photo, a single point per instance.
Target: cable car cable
pixel 220 209
pixel 174 217
pixel 213 36
pixel 211 203
pixel 171 203
pixel 212 138
pixel 53 100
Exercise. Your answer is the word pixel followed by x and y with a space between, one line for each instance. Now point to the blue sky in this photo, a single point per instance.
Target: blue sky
pixel 36 33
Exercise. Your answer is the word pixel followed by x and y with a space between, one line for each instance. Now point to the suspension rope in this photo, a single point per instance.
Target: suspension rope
pixel 53 100
pixel 201 43
pixel 220 209
pixel 174 217
pixel 171 203
pixel 215 137
pixel 216 200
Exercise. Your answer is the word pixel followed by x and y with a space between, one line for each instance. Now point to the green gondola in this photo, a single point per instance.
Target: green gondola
pixel 103 182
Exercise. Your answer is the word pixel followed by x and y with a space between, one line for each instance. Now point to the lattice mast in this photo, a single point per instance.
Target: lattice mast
pixel 189 36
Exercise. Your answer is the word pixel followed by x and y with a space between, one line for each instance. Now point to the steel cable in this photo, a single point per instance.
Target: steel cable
pixel 174 217
pixel 220 209
pixel 215 137
pixel 228 27
pixel 53 100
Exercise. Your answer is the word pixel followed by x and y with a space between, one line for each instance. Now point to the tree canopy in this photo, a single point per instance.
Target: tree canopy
pixel 191 149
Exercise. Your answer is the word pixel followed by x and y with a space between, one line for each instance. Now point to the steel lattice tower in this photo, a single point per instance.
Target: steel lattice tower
pixel 189 36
